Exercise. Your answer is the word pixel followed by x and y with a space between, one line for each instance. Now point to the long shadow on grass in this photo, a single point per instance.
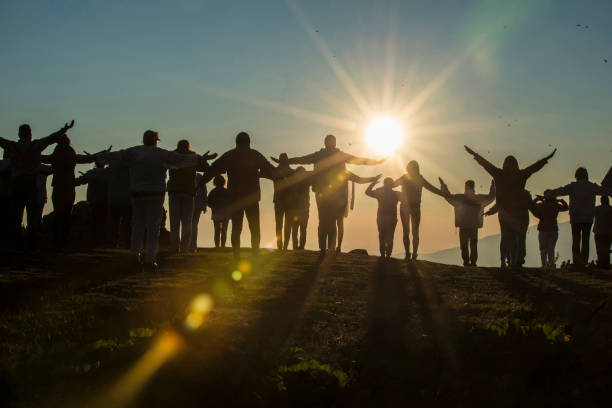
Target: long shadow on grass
pixel 231 375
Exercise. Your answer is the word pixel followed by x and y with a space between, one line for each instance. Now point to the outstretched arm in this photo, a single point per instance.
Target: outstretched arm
pixel 444 189
pixel 426 184
pixel 54 137
pixel 308 159
pixel 370 190
pixel 561 191
pixel 363 160
pixel 362 180
pixel 488 166
pixel 538 165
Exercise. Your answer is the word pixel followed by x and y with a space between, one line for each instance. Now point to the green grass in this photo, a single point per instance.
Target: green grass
pixel 353 332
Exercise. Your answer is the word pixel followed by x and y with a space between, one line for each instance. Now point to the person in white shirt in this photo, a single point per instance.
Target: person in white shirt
pixel 148 165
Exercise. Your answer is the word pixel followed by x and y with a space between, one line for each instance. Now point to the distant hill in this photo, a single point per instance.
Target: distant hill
pixel 488 249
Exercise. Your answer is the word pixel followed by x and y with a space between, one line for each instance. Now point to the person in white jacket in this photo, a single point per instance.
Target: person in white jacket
pixel 147 165
pixel 582 194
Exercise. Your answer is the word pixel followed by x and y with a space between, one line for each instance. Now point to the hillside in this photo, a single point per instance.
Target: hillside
pixel 91 329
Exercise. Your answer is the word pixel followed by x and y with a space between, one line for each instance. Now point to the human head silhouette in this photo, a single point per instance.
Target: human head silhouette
pixel 581 174
pixel 412 167
pixel 388 183
pixel 283 159
pixel 25 132
pixel 183 146
pixel 330 141
pixel 300 169
pixel 243 139
pixel 510 163
pixel 219 181
pixel 470 186
pixel 150 138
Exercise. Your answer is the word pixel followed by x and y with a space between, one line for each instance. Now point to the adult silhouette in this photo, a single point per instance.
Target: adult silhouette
pixel 181 195
pixel 97 198
pixel 119 203
pixel 386 215
pixel 281 178
pixel 330 184
pixel 63 160
pixel 24 156
pixel 512 203
pixel 412 184
pixel 148 165
pixel 298 208
pixel 582 194
pixel 244 166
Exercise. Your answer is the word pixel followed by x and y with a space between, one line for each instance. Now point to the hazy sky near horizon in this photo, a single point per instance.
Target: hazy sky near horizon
pixel 505 77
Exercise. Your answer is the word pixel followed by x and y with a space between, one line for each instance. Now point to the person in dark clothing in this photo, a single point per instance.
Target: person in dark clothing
pixel 282 198
pixel 547 209
pixel 299 208
pixel 218 201
pixel 24 156
pixel 603 232
pixel 63 160
pixel 330 186
pixel 244 166
pixel 582 194
pixel 386 216
pixel 181 193
pixel 412 184
pixel 119 204
pixel 97 198
pixel 513 213
pixel 353 178
pixel 199 207
pixel 469 209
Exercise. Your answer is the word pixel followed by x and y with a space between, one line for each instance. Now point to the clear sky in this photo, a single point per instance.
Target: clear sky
pixel 505 77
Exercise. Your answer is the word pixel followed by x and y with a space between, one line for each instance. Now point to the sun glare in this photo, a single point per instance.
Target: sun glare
pixel 384 135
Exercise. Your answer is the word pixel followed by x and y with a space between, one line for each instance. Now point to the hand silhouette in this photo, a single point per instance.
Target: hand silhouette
pixel 68 126
pixel 470 151
pixel 206 156
pixel 552 154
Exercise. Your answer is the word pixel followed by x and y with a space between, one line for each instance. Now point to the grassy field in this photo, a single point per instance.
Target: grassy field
pixel 91 329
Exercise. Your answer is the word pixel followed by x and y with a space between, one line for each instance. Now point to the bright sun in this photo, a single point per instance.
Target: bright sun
pixel 384 134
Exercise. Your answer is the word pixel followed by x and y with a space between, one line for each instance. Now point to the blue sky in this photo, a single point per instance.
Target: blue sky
pixel 204 70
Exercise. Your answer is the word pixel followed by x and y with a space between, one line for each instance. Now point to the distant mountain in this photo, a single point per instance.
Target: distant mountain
pixel 488 249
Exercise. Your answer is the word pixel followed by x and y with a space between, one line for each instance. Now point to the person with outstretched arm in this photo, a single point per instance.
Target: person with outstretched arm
pixel 282 198
pixel 412 184
pixel 469 209
pixel 199 207
pixel 244 167
pixel 24 156
pixel 510 181
pixel 298 208
pixel 330 186
pixel 386 215
pixel 97 198
pixel 582 194
pixel 547 209
pixel 148 165
pixel 603 232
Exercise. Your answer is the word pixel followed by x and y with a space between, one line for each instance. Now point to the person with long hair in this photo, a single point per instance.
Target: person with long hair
pixel 512 203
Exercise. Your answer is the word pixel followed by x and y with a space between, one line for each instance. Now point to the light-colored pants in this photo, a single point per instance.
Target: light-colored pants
pixel 181 219
pixel 146 217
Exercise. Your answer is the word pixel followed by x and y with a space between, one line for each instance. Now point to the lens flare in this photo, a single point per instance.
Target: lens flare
pixel 384 134
pixel 236 275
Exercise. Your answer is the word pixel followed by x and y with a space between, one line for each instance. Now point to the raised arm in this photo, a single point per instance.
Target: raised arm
pixel 363 160
pixel 561 191
pixel 426 184
pixel 308 159
pixel 488 166
pixel 562 205
pixel 362 180
pixel 54 137
pixel 535 167
pixel 444 189
pixel 370 190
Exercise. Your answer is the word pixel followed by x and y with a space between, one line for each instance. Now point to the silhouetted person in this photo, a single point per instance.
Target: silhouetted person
pixel 63 160
pixel 412 184
pixel 148 165
pixel 219 202
pixel 298 211
pixel 119 203
pixel 97 198
pixel 386 216
pixel 353 178
pixel 199 207
pixel 510 181
pixel 24 156
pixel 282 198
pixel 244 166
pixel 603 232
pixel 469 210
pixel 44 171
pixel 330 186
pixel 181 194
pixel 582 194
pixel 547 209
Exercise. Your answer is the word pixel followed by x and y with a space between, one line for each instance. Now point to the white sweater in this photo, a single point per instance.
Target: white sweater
pixel 148 166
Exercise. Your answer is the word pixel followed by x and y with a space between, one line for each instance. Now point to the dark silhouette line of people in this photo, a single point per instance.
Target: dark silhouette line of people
pixel 244 167
pixel 24 156
pixel 386 215
pixel 512 203
pixel 148 165
pixel 582 194
pixel 469 210
pixel 330 187
pixel 219 203
pixel 547 209
pixel 412 184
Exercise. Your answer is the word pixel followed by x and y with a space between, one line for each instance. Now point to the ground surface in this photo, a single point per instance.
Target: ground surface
pixel 91 329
